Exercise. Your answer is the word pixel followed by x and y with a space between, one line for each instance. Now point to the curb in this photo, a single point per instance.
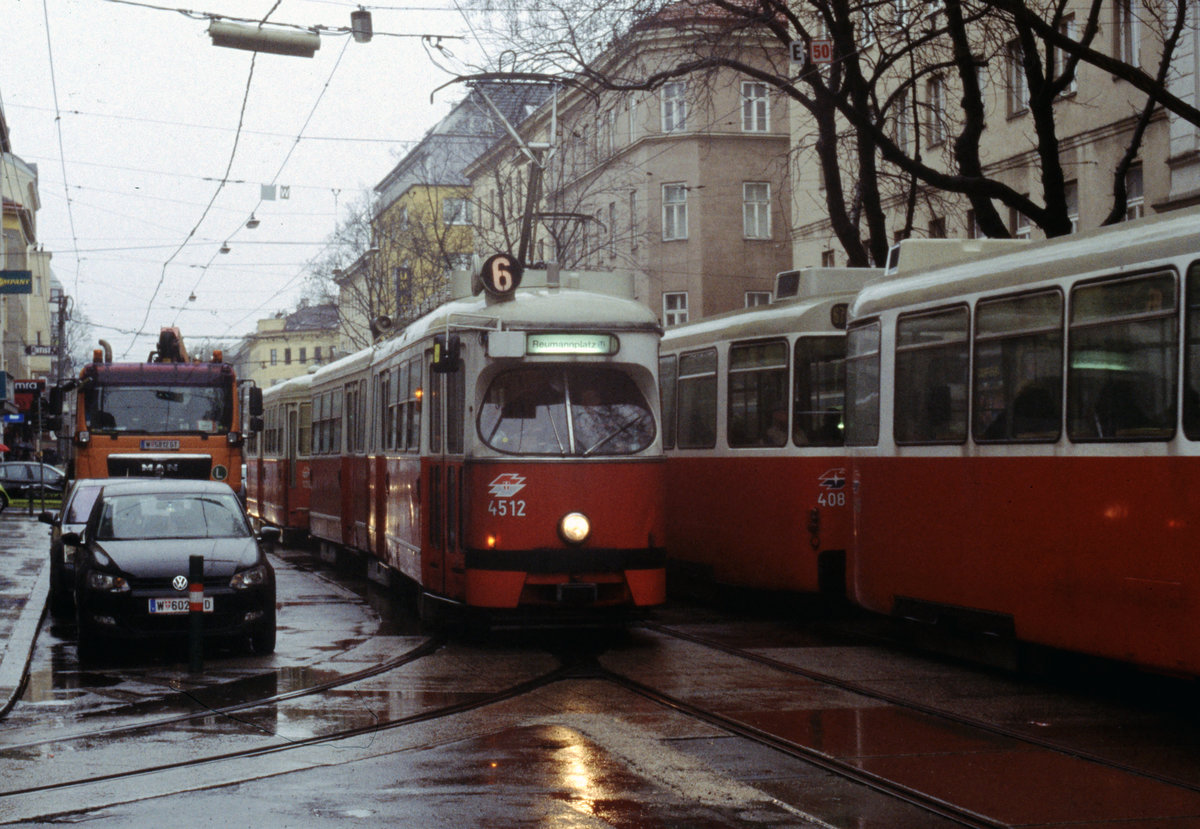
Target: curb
pixel 14 665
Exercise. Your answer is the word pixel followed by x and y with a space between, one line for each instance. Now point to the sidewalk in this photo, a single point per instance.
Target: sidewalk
pixel 24 586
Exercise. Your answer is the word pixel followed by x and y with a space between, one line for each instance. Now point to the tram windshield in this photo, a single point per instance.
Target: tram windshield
pixel 566 411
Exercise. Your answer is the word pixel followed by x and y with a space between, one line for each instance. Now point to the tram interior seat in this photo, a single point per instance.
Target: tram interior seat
pixel 1117 409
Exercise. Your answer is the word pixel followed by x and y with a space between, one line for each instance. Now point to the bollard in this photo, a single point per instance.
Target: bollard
pixel 196 613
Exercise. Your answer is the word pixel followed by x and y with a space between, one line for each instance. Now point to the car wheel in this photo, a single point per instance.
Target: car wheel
pixel 262 637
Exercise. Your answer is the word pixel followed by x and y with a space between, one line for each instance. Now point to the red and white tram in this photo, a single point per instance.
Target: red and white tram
pixel 278 472
pixel 503 452
pixel 752 412
pixel 1023 432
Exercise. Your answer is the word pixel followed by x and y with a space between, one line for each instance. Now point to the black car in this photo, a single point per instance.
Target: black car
pixel 25 478
pixel 131 571
pixel 71 518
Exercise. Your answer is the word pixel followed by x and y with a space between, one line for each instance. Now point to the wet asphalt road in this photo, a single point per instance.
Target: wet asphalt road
pixel 540 729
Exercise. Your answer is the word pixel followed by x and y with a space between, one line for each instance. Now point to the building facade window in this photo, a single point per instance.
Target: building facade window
pixel 828 258
pixel 674 106
pixel 303 354
pixel 287 356
pixel 317 354
pixel 1018 91
pixel 904 122
pixel 456 211
pixel 935 96
pixel 1019 224
pixel 274 356
pixel 675 216
pixel 675 308
pixel 1071 193
pixel 756 107
pixel 1066 28
pixel 937 228
pixel 1127 33
pixel 1135 199
pixel 756 210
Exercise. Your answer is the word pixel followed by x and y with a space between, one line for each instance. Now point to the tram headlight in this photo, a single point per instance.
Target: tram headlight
pixel 574 527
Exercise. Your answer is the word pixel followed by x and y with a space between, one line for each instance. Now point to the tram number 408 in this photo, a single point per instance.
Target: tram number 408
pixel 832 499
pixel 505 508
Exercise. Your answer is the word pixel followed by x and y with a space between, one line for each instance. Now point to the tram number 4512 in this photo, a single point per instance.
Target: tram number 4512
pixel 506 508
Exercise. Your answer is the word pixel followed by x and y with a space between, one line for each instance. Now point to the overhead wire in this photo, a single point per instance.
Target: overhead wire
pixel 62 157
pixel 220 186
pixel 287 158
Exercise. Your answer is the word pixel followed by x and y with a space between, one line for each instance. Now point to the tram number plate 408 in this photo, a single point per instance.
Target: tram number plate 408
pixel 178 605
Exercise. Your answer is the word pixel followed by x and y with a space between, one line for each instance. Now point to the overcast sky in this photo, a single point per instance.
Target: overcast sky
pixel 131 116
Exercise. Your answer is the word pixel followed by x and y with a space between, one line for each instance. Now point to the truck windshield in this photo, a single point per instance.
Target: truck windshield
pixel 566 410
pixel 158 409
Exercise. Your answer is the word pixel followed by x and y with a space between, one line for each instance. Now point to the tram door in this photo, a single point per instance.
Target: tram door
pixel 444 569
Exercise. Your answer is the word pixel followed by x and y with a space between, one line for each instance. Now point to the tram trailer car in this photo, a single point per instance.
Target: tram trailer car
pixel 1023 432
pixel 503 452
pixel 752 413
pixel 278 458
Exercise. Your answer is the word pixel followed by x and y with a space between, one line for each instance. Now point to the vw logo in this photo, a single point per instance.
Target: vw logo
pixel 180 583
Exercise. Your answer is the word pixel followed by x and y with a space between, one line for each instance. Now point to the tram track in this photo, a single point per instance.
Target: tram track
pixel 927 710
pixel 426 648
pixel 292 744
pixel 930 805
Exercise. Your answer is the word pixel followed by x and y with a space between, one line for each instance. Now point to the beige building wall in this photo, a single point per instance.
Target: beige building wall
pixel 274 354
pixel 609 164
pixel 1094 123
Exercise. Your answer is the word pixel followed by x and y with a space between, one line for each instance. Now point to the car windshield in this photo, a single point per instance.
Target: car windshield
pixel 171 515
pixel 80 505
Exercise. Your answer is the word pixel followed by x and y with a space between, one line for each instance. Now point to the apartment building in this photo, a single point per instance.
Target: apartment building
pixel 685 186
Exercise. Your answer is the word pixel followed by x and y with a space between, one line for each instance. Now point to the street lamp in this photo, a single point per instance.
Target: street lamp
pixel 301 43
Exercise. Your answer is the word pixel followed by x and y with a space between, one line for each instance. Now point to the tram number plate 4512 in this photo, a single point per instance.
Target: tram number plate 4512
pixel 178 605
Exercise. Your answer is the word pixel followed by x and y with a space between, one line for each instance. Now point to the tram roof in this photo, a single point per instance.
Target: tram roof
pixel 529 309
pixel 1110 250
pixel 807 313
pixel 298 386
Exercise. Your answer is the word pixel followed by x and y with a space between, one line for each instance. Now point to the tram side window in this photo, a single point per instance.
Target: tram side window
pixel 434 402
pixel 395 403
pixel 668 370
pixel 1191 391
pixel 818 391
pixel 387 409
pixel 862 385
pixel 412 406
pixel 318 432
pixel 1122 377
pixel 335 422
pixel 931 377
pixel 758 394
pixel 456 393
pixel 360 436
pixel 350 416
pixel 697 400
pixel 1018 378
pixel 306 423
